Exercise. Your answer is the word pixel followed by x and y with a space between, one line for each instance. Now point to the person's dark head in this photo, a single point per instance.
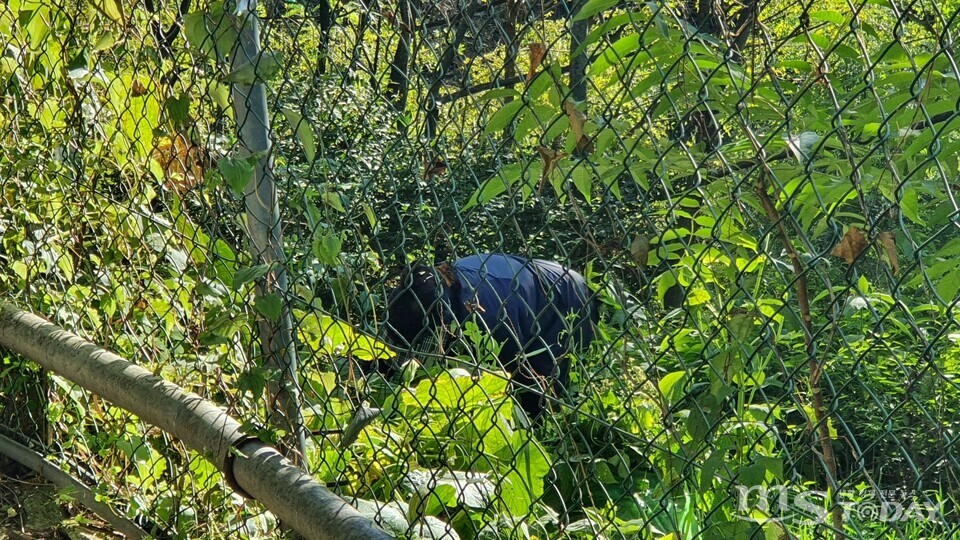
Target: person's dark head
pixel 413 308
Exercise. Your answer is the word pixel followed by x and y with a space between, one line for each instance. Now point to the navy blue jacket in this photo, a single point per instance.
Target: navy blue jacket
pixel 535 307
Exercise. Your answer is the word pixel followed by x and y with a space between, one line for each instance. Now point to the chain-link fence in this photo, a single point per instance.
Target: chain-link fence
pixel 760 198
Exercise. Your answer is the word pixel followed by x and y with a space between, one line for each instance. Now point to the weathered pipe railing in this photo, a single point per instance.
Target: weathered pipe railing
pixel 250 466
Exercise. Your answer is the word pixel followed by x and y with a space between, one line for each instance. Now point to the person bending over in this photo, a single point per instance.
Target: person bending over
pixel 537 311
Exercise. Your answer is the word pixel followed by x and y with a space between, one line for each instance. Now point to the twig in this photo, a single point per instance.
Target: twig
pixel 816 369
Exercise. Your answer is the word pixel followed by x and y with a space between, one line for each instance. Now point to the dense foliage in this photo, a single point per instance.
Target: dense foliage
pixel 765 209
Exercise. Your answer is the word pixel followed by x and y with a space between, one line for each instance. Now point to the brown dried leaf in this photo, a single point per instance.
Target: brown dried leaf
pixel 389 16
pixel 182 161
pixel 584 145
pixel 537 52
pixel 438 167
pixel 550 159
pixel 447 273
pixel 851 245
pixel 640 250
pixel 889 241
pixel 137 88
pixel 577 120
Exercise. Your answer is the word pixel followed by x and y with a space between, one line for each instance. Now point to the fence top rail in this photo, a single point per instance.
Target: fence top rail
pixel 253 467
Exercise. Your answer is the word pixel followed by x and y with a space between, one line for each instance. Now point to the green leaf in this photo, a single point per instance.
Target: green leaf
pixel 304 132
pixel 593 7
pixel 499 93
pixel 327 247
pixel 220 94
pixel 608 25
pixel 446 392
pixel 79 65
pixel 502 118
pixel 583 181
pixel 237 172
pixel 697 424
pixel 664 282
pixel 773 466
pixel 256 71
pixel 210 31
pixel 106 41
pixel 178 109
pixel 252 381
pixel 490 189
pixel 540 84
pixel 328 336
pixel 615 54
pixel 910 205
pixel 324 383
pixel 949 285
pixel 671 385
pixel 112 9
pixel 247 275
pixel 829 15
pixel 524 483
pixel 489 388
pixel 371 218
pixel 333 200
pixel 270 306
pixel 35 25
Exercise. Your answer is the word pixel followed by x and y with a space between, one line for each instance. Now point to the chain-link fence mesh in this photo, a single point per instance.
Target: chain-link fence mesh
pixel 760 196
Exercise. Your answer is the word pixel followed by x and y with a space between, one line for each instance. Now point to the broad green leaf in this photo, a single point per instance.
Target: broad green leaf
pixel 331 337
pixel 773 466
pixel 270 306
pixel 490 189
pixel 327 247
pixel 829 15
pixel 333 200
pixel 106 41
pixel 540 84
pixel 592 7
pixel 211 31
pixel 178 109
pixel 442 393
pixel 948 285
pixel 664 282
pixel 524 483
pixel 502 118
pixel 248 275
pixel 615 54
pixel 36 27
pixel 910 204
pixel 304 132
pixel 220 94
pixel 261 69
pixel 583 180
pixel 499 93
pixel 111 8
pixel 671 385
pixel 237 172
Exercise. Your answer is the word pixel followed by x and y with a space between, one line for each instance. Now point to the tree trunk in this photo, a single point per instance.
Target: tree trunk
pixel 578 63
pixel 399 84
